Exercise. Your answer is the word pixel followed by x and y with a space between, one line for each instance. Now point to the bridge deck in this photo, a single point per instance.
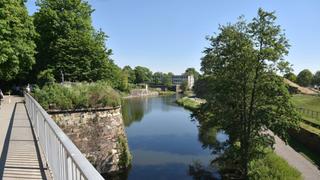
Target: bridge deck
pixel 21 157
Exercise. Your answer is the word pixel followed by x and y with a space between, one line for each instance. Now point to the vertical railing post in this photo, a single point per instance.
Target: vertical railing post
pixel 38 123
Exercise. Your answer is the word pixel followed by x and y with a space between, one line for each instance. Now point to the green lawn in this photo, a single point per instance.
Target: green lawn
pixel 309 104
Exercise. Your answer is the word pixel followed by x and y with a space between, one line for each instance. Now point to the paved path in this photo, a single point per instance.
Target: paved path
pixel 20 155
pixel 308 170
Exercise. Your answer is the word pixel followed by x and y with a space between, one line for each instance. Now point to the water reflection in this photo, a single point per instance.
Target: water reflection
pixel 134 109
pixel 200 172
pixel 164 141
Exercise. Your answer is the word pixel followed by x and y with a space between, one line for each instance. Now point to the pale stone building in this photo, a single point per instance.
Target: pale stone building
pixel 179 79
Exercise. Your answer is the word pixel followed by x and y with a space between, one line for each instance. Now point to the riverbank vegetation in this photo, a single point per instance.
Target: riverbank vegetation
pixel 271 166
pixel 190 103
pixel 76 96
pixel 166 93
pixel 244 95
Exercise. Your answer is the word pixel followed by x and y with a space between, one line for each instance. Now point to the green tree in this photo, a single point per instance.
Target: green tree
pixel 143 74
pixel 167 79
pixel 45 77
pixel 291 76
pixel 69 45
pixel 17 47
pixel 192 71
pixel 305 77
pixel 316 78
pixel 184 86
pixel 131 74
pixel 245 96
pixel 157 77
pixel 124 84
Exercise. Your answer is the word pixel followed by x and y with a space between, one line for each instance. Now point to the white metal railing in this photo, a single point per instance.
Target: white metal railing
pixel 65 160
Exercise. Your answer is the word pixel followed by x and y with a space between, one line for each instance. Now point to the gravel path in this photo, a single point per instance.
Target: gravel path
pixel 308 170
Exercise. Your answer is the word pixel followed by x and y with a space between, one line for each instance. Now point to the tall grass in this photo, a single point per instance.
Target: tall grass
pixel 272 166
pixel 76 96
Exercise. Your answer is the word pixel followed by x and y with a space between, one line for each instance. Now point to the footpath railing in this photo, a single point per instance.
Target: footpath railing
pixel 310 117
pixel 310 113
pixel 65 160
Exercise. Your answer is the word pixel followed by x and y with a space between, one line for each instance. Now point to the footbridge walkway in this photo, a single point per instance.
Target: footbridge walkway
pixel 32 146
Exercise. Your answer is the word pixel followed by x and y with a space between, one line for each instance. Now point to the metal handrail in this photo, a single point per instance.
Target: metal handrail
pixel 65 160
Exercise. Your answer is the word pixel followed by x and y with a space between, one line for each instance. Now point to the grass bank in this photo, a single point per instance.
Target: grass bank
pixel 309 108
pixel 307 101
pixel 189 103
pixel 272 166
pixel 76 96
pixel 166 93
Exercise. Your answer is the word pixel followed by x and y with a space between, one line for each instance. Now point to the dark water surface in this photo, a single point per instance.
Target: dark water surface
pixel 162 139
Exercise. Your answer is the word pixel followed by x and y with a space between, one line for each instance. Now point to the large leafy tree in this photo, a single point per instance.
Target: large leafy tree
pixel 316 78
pixel 143 74
pixel 290 76
pixel 131 74
pixel 69 45
pixel 193 72
pixel 167 79
pixel 17 47
pixel 245 96
pixel 157 77
pixel 305 77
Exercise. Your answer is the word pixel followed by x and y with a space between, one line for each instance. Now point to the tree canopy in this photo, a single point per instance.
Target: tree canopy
pixel 17 47
pixel 70 46
pixel 143 74
pixel 316 78
pixel 291 76
pixel 158 78
pixel 167 79
pixel 305 77
pixel 192 71
pixel 244 95
pixel 131 74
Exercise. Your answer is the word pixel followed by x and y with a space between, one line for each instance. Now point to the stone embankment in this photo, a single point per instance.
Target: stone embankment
pixel 141 93
pixel 100 136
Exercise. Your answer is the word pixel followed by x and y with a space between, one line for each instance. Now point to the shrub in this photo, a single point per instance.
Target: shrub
pixel 46 77
pixel 272 166
pixel 77 96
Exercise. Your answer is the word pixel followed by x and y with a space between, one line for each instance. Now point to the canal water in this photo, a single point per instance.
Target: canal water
pixel 163 140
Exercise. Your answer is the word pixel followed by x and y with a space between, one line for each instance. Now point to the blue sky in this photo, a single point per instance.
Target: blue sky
pixel 169 35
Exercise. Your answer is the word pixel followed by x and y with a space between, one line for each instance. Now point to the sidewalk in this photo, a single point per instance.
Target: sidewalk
pixel 308 170
pixel 20 156
pixel 6 110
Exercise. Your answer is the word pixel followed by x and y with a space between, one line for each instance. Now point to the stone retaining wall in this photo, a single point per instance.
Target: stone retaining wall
pixel 141 93
pixel 100 136
pixel 308 139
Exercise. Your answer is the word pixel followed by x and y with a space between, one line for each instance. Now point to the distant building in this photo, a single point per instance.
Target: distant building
pixel 179 79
